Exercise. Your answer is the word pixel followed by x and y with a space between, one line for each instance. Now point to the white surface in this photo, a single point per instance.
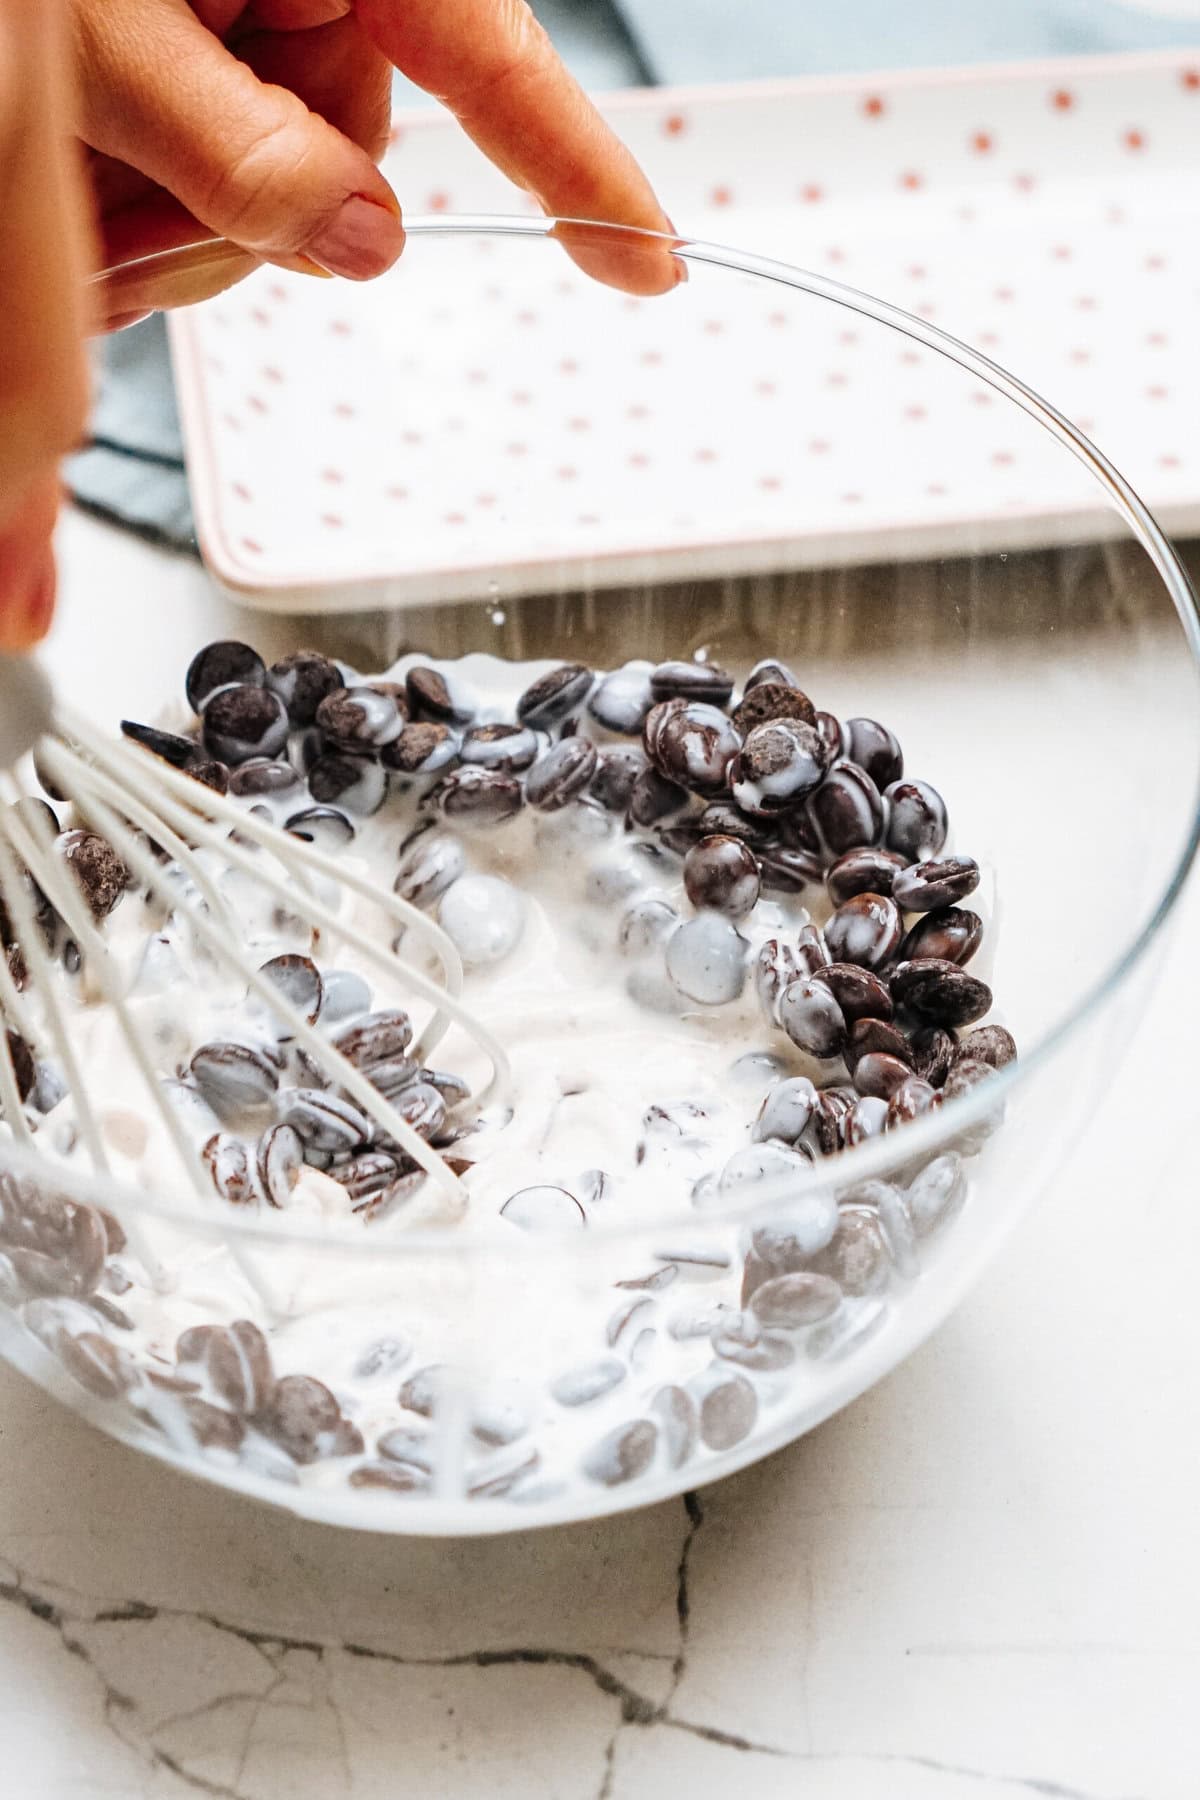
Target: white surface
pixel 977 1582
pixel 487 414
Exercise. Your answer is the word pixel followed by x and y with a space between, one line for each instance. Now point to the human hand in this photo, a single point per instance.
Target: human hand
pixel 260 121
pixel 43 256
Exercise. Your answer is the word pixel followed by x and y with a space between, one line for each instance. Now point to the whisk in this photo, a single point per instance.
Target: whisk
pixel 176 837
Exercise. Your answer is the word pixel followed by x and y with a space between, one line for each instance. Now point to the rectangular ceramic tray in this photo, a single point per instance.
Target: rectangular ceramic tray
pixel 1042 212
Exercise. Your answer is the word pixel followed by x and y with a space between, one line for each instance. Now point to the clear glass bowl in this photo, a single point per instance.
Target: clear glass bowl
pixel 1038 661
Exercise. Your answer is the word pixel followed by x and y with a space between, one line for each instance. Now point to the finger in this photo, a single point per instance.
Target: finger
pixel 246 158
pixel 43 382
pixel 495 68
pixel 27 577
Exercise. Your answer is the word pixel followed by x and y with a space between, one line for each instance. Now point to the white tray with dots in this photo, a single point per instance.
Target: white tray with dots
pixel 442 435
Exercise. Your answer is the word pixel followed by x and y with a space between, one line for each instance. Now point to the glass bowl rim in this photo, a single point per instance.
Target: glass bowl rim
pixel 876 1157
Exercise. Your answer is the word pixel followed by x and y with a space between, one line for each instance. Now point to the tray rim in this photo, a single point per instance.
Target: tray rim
pixel 283 590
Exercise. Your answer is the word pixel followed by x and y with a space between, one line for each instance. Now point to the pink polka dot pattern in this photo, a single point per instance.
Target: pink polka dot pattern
pixel 537 424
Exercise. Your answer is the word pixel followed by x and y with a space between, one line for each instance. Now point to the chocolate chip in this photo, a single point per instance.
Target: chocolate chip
pixel 391 1477
pixel 867 1118
pixel 229 1166
pixel 579 1387
pixel 864 871
pixel 623 1454
pixel 366 1176
pixel 304 1419
pixel 24 1067
pixel 279 1161
pixel 550 698
pixel 617 769
pixel 775 966
pixel 874 748
pixel 691 681
pixel 832 735
pixel 324 1120
pixel 727 1404
pixel 917 823
pixel 856 1257
pixel 940 993
pixel 212 775
pixel 302 681
pixel 479 796
pixel 323 826
pixel 561 774
pixel 926 885
pixel 241 722
pixel 675 1411
pixel 421 749
pixel 721 818
pixel 239 1366
pixel 990 1044
pixel 935 1193
pixel 653 798
pixel 868 1034
pixel 793 1301
pixel 421 1392
pixel 847 810
pixel 833 1109
pixel 721 873
pixel 359 719
pixel 298 980
pixel 787 871
pixel 859 993
pixel 772 700
pixel 932 1053
pixel 812 1018
pixel 786 1111
pixel 222 665
pixel 646 924
pixel 99 871
pixel 451 1087
pixel 621 701
pixel 779 763
pixel 97 1364
pixel 953 933
pixel 178 751
pixel 706 959
pixel 384 1357
pixel 507 747
pixel 418 1103
pixel 378 1037
pixel 864 930
pixel 429 868
pixel 212 1427
pixel 429 697
pixel 358 784
pixel 692 744
pixel 908 1101
pixel 234 1079
pixel 769 670
pixel 880 1074
pixel 742 1340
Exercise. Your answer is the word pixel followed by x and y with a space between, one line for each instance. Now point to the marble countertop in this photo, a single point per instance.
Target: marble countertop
pixel 978 1582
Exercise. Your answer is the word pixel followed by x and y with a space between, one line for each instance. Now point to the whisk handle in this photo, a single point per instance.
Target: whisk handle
pixel 26 707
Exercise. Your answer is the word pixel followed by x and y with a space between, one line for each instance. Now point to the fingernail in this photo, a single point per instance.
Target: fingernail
pixel 122 321
pixel 361 240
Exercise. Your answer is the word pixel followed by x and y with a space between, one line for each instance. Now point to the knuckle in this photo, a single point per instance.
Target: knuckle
pixel 253 192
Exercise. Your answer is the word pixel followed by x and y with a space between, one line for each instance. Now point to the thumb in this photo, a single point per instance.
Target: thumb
pixel 248 159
